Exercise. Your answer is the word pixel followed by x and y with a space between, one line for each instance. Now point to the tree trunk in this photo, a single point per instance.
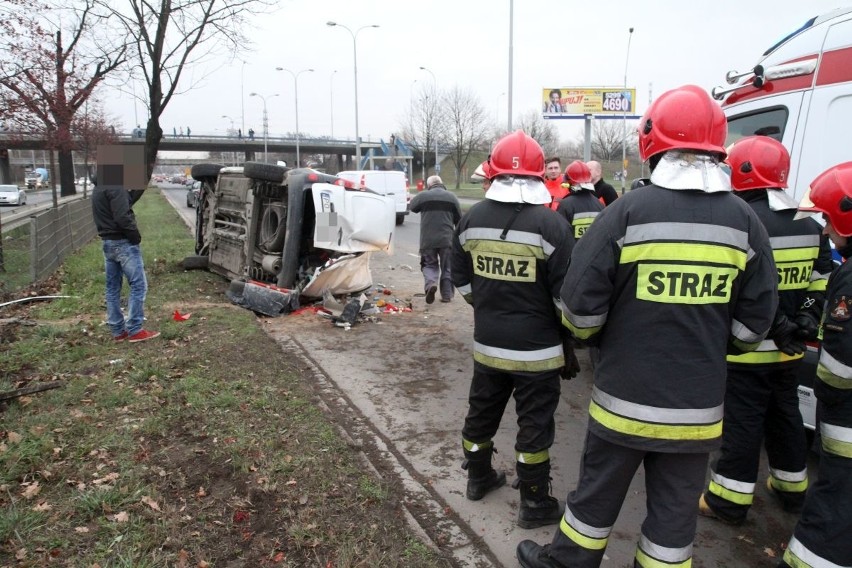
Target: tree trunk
pixel 66 173
pixel 153 135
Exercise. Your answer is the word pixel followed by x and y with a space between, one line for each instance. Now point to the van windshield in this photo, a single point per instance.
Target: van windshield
pixel 766 122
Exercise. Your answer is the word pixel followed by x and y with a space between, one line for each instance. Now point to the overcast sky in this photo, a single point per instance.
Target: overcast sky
pixel 466 43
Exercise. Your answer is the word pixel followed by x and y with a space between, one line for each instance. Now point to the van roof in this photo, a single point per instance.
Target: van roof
pixel 815 21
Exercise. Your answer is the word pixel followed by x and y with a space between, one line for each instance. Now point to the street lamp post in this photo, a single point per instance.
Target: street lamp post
pixel 265 123
pixel 242 98
pixel 624 118
pixel 434 116
pixel 231 133
pixel 232 123
pixel 355 60
pixel 331 98
pixel 296 90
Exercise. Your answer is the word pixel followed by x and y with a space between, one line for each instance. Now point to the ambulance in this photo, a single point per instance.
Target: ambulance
pixel 800 93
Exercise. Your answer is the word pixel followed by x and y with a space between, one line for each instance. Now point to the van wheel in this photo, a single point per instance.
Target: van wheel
pixel 264 172
pixel 400 219
pixel 273 227
pixel 200 171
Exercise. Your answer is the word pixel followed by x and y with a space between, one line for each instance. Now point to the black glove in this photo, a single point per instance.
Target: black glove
pixel 808 326
pixel 785 335
pixel 572 364
pixel 134 238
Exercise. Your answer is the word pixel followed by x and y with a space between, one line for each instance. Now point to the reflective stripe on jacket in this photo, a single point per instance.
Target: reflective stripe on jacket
pixel 509 260
pixel 664 280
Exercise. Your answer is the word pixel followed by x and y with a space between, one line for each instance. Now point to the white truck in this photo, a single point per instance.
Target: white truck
pixel 800 93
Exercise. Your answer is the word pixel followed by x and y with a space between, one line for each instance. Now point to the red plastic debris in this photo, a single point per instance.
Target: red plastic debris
pixel 181 317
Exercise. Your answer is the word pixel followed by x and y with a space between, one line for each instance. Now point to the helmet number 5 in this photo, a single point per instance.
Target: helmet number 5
pixel 516 162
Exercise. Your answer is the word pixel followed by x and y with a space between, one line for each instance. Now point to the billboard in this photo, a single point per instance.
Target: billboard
pixel 580 101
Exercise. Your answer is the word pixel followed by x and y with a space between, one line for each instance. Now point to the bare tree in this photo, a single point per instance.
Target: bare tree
pixel 466 127
pixel 92 128
pixel 170 36
pixel 607 138
pixel 542 131
pixel 425 123
pixel 44 80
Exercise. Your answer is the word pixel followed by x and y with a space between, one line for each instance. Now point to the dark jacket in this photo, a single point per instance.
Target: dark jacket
pixel 113 216
pixel 580 207
pixel 508 262
pixel 803 259
pixel 605 191
pixel 439 212
pixel 665 281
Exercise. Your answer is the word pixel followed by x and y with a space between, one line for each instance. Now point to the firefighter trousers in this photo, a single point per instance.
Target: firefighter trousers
pixel 761 405
pixel 536 398
pixel 823 536
pixel 673 483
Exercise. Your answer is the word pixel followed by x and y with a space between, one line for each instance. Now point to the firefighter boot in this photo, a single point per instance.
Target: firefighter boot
pixel 538 508
pixel 481 477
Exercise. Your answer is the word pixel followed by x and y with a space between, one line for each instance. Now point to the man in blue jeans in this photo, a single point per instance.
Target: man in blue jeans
pixel 116 224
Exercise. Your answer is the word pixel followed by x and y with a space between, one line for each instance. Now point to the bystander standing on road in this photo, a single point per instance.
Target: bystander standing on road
pixel 509 259
pixel 666 281
pixel 116 225
pixel 188 132
pixel 439 213
pixel 761 397
pixel 822 535
pixel 604 191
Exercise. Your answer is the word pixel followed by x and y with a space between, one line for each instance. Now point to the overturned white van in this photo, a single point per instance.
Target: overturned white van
pixel 298 230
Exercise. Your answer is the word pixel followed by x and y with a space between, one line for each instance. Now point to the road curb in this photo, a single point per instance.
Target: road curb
pixel 438 521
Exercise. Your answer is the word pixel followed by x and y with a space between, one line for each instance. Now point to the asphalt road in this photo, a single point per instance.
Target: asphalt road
pixel 399 386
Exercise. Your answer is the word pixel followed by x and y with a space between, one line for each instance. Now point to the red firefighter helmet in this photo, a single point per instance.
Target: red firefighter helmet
pixel 831 193
pixel 483 171
pixel 578 172
pixel 517 154
pixel 684 118
pixel 758 162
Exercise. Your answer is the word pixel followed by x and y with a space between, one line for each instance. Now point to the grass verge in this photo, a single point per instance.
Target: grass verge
pixel 199 448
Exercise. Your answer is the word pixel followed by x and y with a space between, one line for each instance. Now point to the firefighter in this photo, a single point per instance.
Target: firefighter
pixel 821 538
pixel 581 205
pixel 553 181
pixel 665 281
pixel 509 260
pixel 761 398
pixel 480 174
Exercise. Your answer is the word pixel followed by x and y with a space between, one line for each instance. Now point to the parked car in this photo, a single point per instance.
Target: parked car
pixel 299 230
pixel 12 195
pixel 192 192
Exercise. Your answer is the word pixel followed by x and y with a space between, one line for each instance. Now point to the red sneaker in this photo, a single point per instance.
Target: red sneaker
pixel 143 335
pixel 120 337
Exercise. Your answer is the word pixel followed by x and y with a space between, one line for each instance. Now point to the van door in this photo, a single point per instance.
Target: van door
pixel 351 221
pixel 827 133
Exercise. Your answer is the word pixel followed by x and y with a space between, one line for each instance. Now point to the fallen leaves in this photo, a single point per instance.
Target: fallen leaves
pixel 150 502
pixel 31 490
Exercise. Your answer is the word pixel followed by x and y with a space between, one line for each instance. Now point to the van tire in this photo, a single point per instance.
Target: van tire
pixel 200 171
pixel 195 262
pixel 264 172
pixel 273 224
pixel 400 219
